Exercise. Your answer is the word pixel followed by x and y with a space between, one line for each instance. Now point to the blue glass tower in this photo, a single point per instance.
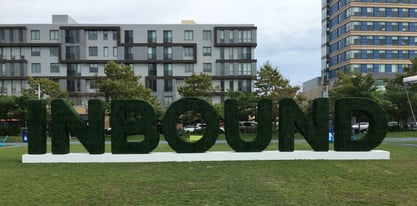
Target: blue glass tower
pixel 376 37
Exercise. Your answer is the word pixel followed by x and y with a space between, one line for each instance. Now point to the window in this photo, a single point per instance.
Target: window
pixel 54 68
pixel 167 69
pixel 382 54
pixel 36 51
pixel 207 67
pixel 188 51
pixel 167 36
pixel 231 85
pixel 221 36
pixel 168 85
pixel 245 36
pixel 106 51
pixel 231 35
pixel 92 51
pixel 222 85
pixel 114 34
pixel 151 84
pixel 394 68
pixel 231 69
pixel 53 35
pixel 93 68
pixel 188 35
pixel 93 85
pixel 72 52
pixel 207 35
pixel 394 54
pixel 244 85
pixel 115 52
pixel 73 70
pixel 92 35
pixel 230 53
pixel 382 68
pixel 382 12
pixel 152 71
pixel 129 36
pixel 369 11
pixel 36 68
pixel 370 26
pixel 245 53
pixel 189 68
pixel 206 51
pixel 151 53
pixel 394 40
pixel 245 69
pixel 35 35
pixel 53 51
pixel 72 36
pixel 105 35
pixel 128 52
pixel 168 53
pixel 152 36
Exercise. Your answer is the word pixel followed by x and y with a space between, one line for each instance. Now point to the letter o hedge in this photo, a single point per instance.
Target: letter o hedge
pixel 170 125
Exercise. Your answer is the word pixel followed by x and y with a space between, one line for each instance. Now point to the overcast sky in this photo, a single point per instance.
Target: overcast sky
pixel 288 30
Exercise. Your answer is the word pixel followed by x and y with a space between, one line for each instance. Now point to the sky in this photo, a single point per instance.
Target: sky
pixel 288 31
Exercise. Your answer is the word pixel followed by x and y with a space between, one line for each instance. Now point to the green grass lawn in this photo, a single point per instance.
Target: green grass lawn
pixel 383 182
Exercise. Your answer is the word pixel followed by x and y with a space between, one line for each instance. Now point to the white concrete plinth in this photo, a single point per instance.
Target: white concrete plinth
pixel 208 156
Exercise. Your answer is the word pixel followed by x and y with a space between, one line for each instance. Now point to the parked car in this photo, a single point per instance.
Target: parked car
pixel 361 126
pixel 247 126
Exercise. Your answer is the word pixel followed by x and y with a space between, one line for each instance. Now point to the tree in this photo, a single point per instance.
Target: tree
pixel 398 108
pixel 120 82
pixel 271 84
pixel 49 89
pixel 197 85
pixel 356 85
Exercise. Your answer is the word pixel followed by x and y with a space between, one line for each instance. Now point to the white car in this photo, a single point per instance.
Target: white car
pixel 361 126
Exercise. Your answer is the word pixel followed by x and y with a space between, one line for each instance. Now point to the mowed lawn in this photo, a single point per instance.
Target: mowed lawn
pixel 379 182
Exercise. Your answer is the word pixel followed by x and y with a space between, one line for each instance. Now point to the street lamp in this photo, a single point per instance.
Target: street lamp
pixel 39 91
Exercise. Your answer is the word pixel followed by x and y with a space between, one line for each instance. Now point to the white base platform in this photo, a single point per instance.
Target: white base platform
pixel 208 156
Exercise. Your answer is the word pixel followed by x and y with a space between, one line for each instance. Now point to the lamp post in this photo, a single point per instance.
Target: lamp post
pixel 39 91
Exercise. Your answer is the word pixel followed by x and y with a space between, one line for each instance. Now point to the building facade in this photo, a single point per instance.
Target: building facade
pixel 164 55
pixel 376 37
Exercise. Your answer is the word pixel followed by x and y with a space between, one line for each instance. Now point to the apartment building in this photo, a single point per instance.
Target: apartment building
pixel 376 37
pixel 163 54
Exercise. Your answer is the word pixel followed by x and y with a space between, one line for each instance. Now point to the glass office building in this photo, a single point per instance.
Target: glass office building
pixel 376 37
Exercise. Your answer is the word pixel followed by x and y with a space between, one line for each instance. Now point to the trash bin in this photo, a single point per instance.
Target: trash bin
pixel 24 135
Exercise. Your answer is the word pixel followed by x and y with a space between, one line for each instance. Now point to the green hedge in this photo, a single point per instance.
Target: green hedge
pixel 264 128
pixel 65 120
pixel 37 127
pixel 133 117
pixel 170 125
pixel 344 108
pixel 315 132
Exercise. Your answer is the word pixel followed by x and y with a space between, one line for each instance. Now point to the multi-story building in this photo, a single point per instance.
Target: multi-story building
pixel 367 36
pixel 164 55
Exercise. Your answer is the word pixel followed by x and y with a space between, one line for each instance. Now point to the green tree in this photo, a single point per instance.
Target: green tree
pixel 356 85
pixel 49 89
pixel 197 85
pixel 120 82
pixel 398 108
pixel 271 84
